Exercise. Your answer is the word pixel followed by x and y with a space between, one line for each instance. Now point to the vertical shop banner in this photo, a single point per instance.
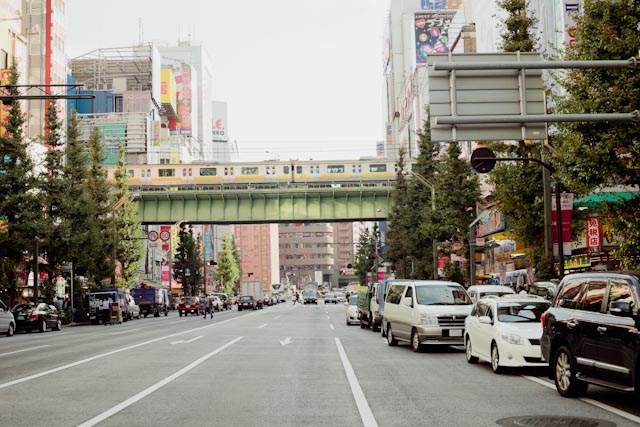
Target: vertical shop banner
pixel 165 278
pixel 566 207
pixel 594 235
pixel 207 245
pixel 432 33
pixel 184 107
pixel 571 9
pixel 164 231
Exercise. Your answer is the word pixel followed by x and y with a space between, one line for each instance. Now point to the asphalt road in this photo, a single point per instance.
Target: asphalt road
pixel 281 366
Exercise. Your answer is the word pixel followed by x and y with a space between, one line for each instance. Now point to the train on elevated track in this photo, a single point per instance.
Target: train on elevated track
pixel 263 174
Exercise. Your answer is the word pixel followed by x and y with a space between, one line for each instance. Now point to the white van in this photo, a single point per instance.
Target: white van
pixel 426 312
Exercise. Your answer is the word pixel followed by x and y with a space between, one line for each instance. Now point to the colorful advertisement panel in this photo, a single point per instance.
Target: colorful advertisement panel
pixel 571 9
pixel 439 4
pixel 432 33
pixel 5 79
pixel 566 213
pixel 181 125
pixel 219 123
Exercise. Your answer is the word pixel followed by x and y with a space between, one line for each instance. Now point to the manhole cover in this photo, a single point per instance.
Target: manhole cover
pixel 553 421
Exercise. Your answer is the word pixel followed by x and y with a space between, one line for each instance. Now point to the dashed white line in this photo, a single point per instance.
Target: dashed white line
pixel 331 325
pixel 361 401
pixel 262 326
pixel 25 349
pixel 144 393
pixel 600 405
pixel 124 332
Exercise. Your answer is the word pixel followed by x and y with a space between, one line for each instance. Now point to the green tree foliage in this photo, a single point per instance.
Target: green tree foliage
pixel 599 154
pixel 399 227
pixel 188 263
pixel 517 33
pixel 18 196
pixel 54 227
pixel 129 243
pixel 457 192
pixel 365 253
pixel 227 271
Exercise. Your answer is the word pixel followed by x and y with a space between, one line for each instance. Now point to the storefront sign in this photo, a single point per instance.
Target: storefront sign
pixel 594 238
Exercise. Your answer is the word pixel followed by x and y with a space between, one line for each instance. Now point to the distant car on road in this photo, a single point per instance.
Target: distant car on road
pixel 352 310
pixel 7 321
pixel 477 292
pixel 190 305
pixel 246 302
pixel 41 316
pixel 330 298
pixel 133 309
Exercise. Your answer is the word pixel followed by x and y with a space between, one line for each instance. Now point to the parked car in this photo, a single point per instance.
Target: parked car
pixel 246 302
pixel 41 316
pixel 266 300
pixel 506 331
pixel 216 302
pixel 330 298
pixel 341 297
pixel 480 291
pixel 547 290
pixel 133 309
pixel 7 321
pixel 190 305
pixel 426 312
pixel 352 310
pixel 590 333
pixel 226 300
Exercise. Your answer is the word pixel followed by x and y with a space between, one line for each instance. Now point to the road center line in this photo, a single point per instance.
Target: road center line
pixel 26 349
pixel 262 326
pixel 600 405
pixel 144 393
pixel 109 353
pixel 361 401
pixel 331 325
pixel 124 332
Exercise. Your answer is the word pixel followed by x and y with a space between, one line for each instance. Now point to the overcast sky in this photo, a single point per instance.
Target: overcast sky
pixel 302 78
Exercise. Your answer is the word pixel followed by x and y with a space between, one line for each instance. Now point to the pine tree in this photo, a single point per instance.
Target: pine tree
pixel 457 192
pixel 398 230
pixel 129 246
pixel 227 271
pixel 517 34
pixel 18 200
pixel 364 250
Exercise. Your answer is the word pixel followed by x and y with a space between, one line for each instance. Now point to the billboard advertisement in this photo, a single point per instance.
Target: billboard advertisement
pixel 439 4
pixel 432 33
pixel 181 125
pixel 219 121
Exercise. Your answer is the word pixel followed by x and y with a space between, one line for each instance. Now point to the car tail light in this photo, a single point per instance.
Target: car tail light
pixel 542 317
pixel 32 316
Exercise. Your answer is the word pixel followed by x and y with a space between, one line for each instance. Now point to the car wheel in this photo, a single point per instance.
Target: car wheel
pixel 495 360
pixel 415 341
pixel 391 340
pixel 179 314
pixel 374 327
pixel 58 325
pixel 11 330
pixel 564 374
pixel 43 325
pixel 468 351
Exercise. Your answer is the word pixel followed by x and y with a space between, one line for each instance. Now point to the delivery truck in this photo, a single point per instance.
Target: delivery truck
pixel 253 289
pixel 151 300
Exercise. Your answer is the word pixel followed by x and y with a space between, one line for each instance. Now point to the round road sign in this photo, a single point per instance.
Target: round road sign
pixel 164 235
pixel 152 235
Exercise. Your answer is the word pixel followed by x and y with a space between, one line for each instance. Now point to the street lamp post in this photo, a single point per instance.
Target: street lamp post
pixel 424 181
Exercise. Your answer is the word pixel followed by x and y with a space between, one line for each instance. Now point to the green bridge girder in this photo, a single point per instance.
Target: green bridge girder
pixel 265 206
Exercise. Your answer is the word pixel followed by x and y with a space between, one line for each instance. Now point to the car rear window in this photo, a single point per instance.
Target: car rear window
pixel 442 295
pixel 513 311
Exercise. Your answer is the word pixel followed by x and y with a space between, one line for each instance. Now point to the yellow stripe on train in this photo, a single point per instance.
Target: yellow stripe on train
pixel 336 175
pixel 207 178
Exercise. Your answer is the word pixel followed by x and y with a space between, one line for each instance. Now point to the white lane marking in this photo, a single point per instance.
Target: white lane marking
pixel 109 353
pixel 328 317
pixel 187 341
pixel 177 321
pixel 331 325
pixel 600 405
pixel 286 341
pixel 26 349
pixel 361 401
pixel 262 326
pixel 124 332
pixel 144 393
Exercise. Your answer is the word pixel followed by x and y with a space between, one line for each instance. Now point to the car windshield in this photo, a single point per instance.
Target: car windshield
pixel 513 311
pixel 493 293
pixel 442 295
pixel 22 307
pixel 353 300
pixel 246 298
pixel 329 296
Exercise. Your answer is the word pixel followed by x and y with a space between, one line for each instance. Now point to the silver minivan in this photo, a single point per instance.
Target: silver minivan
pixel 423 312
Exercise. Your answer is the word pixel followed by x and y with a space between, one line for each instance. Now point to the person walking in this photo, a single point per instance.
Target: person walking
pixel 295 298
pixel 208 308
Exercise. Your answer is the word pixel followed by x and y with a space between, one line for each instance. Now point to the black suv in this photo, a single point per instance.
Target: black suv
pixel 590 334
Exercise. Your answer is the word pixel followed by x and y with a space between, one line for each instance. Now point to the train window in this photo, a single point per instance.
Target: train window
pixel 131 173
pixel 190 172
pixel 335 169
pixel 208 171
pixel 298 169
pixel 144 174
pixel 184 172
pixel 378 167
pixel 166 172
pixel 285 170
pixel 311 169
pixel 228 171
pixel 148 173
pixel 253 170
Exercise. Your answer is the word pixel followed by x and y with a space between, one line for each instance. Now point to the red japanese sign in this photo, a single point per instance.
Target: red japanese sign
pixel 594 236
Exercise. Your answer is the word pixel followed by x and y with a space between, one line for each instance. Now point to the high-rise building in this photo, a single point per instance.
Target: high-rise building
pixel 259 255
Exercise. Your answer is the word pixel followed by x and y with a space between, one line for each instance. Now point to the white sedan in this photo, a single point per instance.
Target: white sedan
pixel 352 310
pixel 506 331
